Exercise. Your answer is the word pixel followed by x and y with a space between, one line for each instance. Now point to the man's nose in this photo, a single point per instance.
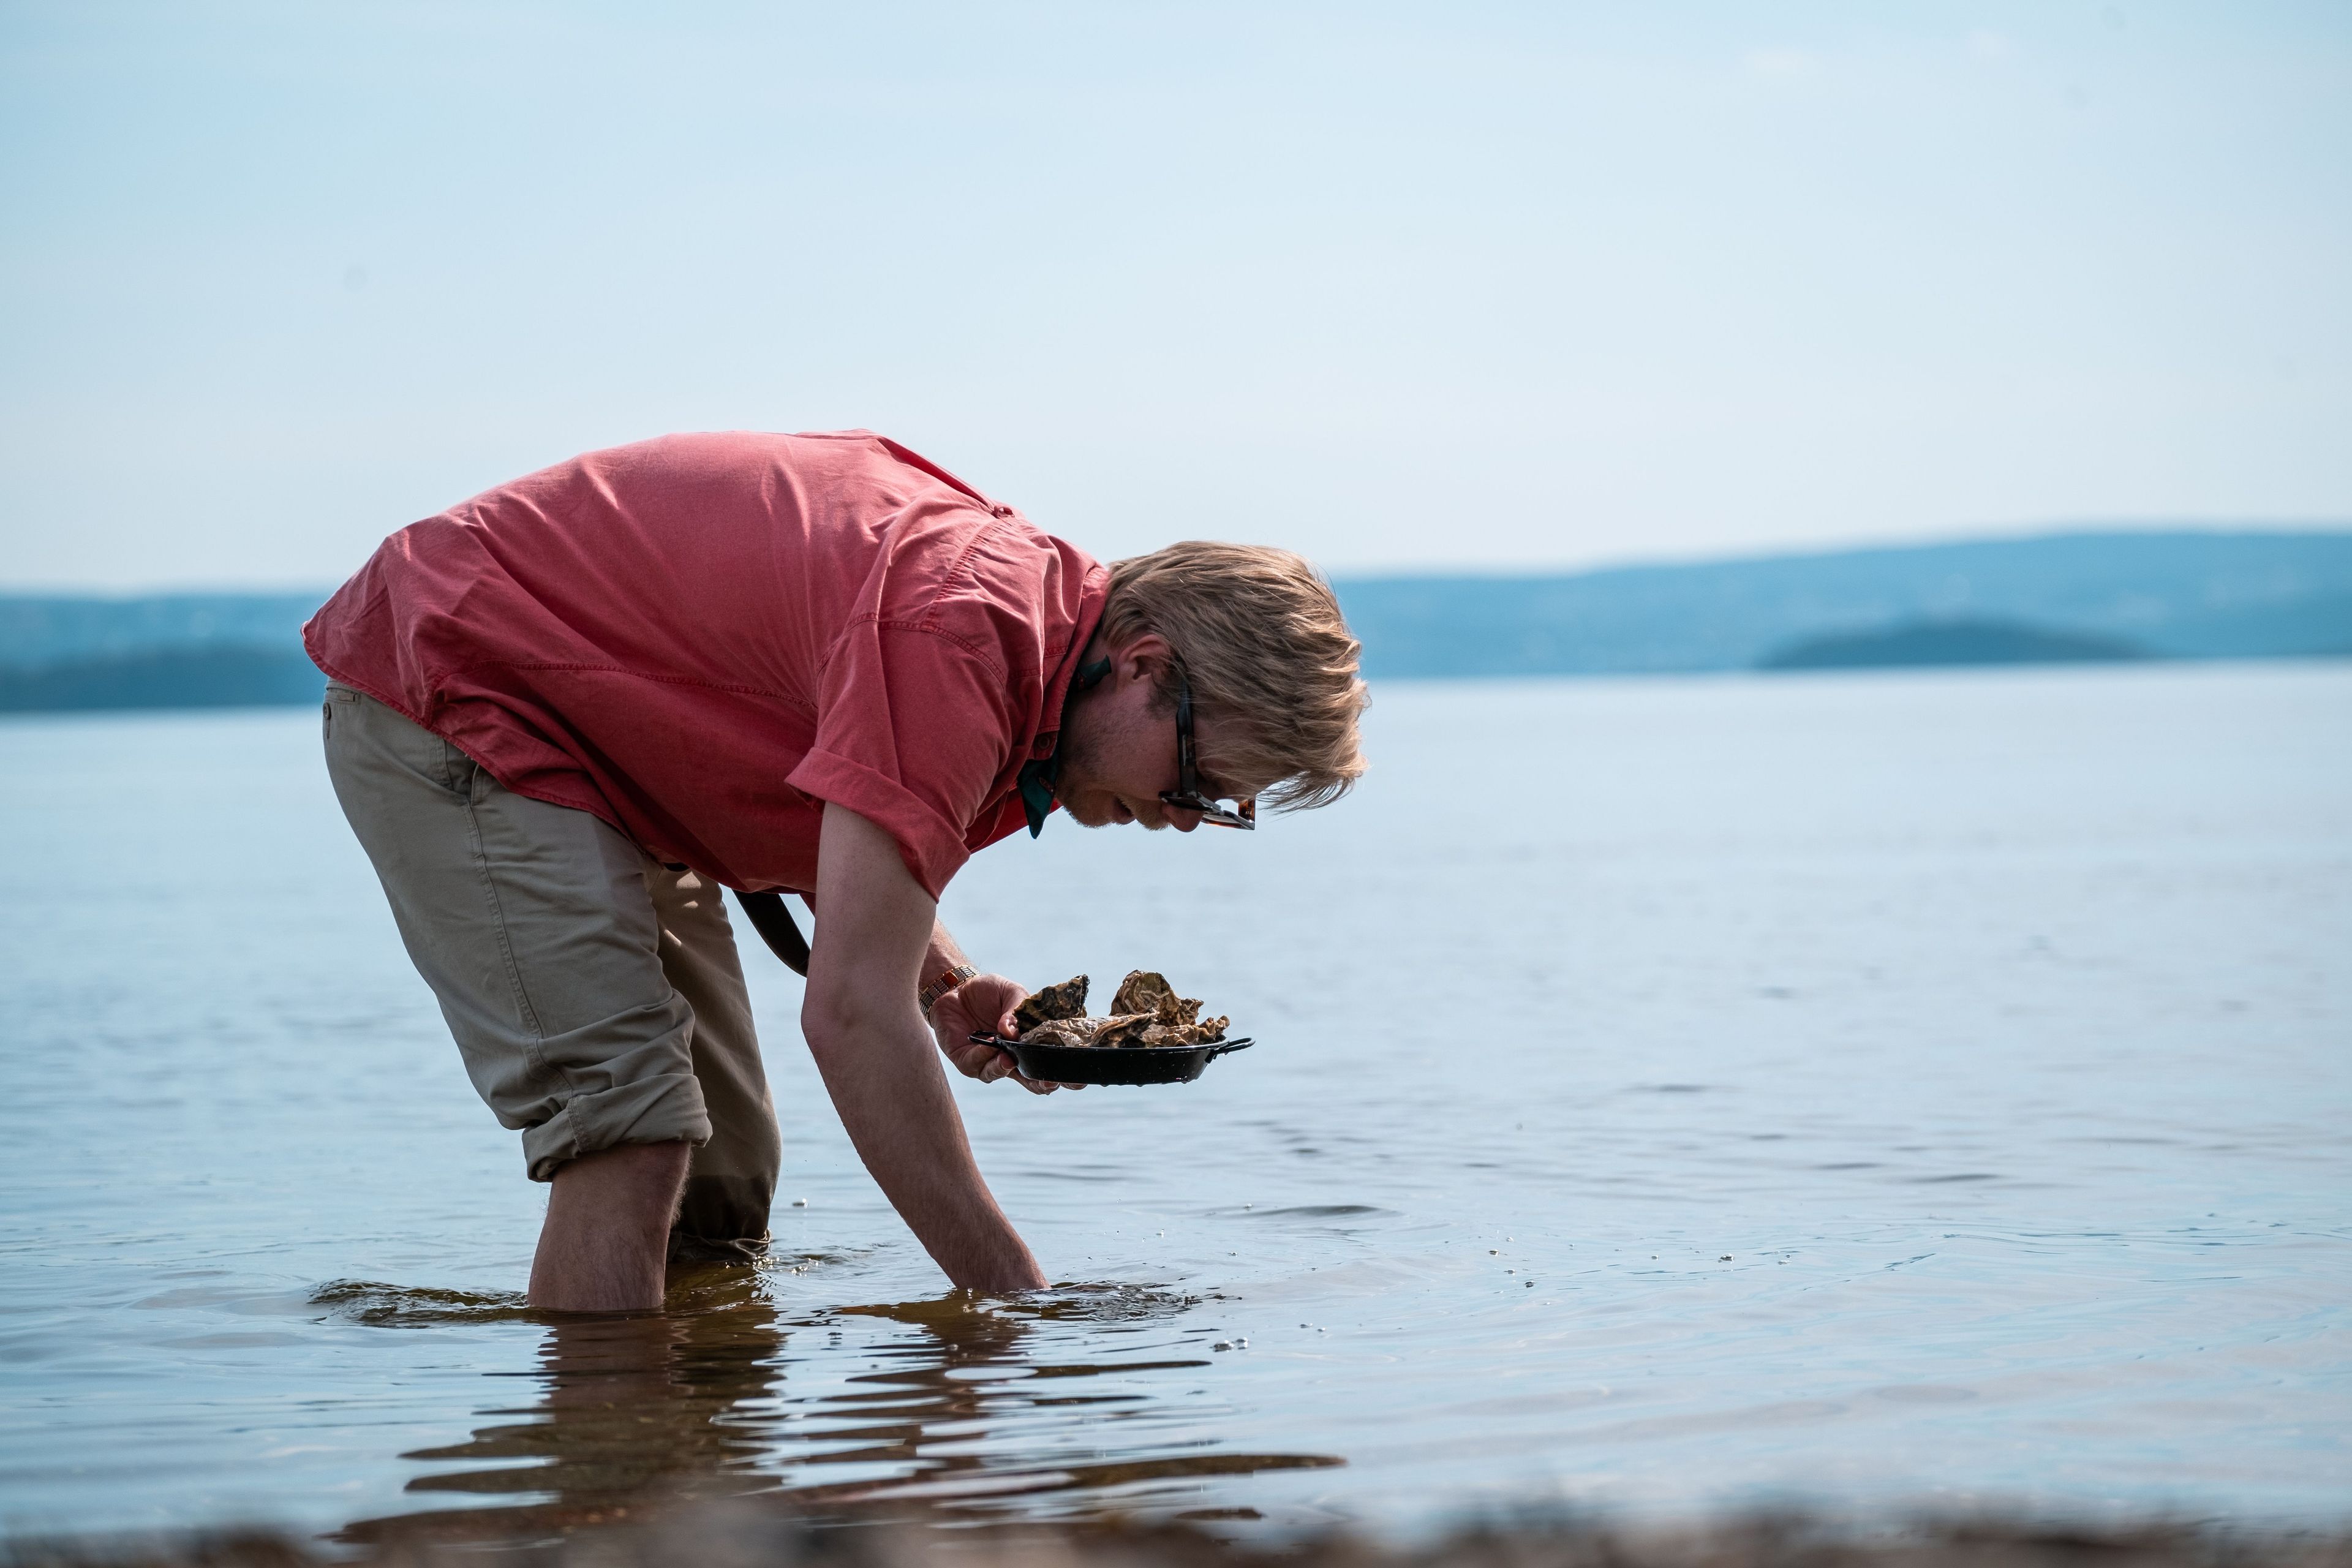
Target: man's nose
pixel 1182 821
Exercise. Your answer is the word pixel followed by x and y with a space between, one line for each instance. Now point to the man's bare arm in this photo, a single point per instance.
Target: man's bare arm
pixel 982 1005
pixel 875 1055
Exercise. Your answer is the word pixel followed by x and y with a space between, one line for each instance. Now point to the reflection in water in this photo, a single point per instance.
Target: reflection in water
pixel 693 1403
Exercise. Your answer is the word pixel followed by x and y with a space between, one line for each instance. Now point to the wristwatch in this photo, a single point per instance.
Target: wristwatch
pixel 948 980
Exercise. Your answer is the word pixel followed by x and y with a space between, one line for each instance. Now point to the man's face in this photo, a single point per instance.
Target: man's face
pixel 1118 749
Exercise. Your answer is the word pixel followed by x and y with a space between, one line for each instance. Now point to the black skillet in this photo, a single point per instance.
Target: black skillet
pixel 1111 1064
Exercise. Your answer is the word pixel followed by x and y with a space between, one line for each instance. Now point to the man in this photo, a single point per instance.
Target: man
pixel 562 716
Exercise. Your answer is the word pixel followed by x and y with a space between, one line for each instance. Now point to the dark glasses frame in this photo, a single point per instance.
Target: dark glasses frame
pixel 1187 796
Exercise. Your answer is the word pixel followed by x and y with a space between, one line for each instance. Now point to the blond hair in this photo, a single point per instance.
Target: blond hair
pixel 1272 665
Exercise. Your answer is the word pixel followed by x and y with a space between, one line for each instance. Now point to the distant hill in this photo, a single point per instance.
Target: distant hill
pixel 2177 594
pixel 1949 642
pixel 56 628
pixel 220 676
pixel 63 653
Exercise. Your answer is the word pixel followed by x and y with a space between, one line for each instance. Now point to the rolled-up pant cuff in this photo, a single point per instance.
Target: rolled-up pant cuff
pixel 688 1248
pixel 664 1109
pixel 722 1218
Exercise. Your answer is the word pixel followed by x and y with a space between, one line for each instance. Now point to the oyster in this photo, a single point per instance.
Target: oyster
pixel 1146 1012
pixel 1060 1032
pixel 1207 1032
pixel 1065 1001
pixel 1145 992
pixel 1120 1030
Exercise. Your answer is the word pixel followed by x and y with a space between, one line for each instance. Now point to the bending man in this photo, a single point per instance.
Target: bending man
pixel 563 715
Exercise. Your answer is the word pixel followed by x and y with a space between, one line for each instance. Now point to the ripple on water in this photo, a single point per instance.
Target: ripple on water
pixel 382 1306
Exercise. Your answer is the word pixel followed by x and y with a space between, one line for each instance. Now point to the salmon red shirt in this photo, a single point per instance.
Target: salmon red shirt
pixel 704 639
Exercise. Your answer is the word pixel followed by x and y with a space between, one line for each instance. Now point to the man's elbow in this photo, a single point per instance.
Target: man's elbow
pixel 834 1019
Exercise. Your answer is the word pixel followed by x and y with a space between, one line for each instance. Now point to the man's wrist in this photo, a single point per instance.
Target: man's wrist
pixel 947 979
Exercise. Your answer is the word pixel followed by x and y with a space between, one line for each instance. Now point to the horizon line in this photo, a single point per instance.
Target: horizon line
pixel 1499 571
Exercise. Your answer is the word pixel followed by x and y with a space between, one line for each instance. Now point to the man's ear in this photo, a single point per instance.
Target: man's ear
pixel 1148 657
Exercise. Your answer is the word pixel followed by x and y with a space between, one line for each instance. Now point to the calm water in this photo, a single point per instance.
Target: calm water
pixel 1883 1090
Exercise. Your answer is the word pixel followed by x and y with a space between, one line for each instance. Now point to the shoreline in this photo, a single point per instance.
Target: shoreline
pixel 747 1531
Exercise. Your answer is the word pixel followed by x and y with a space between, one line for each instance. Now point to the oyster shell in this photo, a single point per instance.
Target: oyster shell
pixel 1119 1029
pixel 1067 1000
pixel 1123 1029
pixel 1144 991
pixel 1146 1012
pixel 1207 1032
pixel 1060 1032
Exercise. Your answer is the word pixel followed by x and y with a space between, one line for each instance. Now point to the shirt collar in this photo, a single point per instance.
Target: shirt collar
pixel 1040 776
pixel 1040 773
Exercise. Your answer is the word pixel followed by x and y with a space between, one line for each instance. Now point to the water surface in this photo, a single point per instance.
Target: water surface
pixel 1672 1094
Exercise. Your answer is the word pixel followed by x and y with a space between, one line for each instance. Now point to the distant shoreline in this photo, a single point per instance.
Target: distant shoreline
pixel 2056 598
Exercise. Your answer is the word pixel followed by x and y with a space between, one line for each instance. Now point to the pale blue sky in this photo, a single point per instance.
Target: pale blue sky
pixel 1476 284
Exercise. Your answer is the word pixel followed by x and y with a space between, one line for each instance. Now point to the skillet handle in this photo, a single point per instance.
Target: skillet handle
pixel 1223 1047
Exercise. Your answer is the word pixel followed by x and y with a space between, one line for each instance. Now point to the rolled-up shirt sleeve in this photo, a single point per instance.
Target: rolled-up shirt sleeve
pixel 914 729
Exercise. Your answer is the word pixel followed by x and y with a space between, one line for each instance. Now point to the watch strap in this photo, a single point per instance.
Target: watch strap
pixel 946 981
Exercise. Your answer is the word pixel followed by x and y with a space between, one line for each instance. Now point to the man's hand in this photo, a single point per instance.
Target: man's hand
pixel 983 1006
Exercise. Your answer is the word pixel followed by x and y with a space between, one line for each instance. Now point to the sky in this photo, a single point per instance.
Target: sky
pixel 1482 285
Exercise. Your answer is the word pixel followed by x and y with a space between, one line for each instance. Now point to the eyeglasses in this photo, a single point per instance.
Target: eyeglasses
pixel 1187 796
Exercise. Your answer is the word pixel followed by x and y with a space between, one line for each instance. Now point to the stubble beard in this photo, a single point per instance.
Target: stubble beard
pixel 1078 774
pixel 1072 776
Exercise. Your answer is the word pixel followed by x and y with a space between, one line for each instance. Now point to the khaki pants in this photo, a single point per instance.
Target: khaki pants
pixel 594 992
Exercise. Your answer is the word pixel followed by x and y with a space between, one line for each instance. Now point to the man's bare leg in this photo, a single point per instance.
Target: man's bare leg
pixel 605 1246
